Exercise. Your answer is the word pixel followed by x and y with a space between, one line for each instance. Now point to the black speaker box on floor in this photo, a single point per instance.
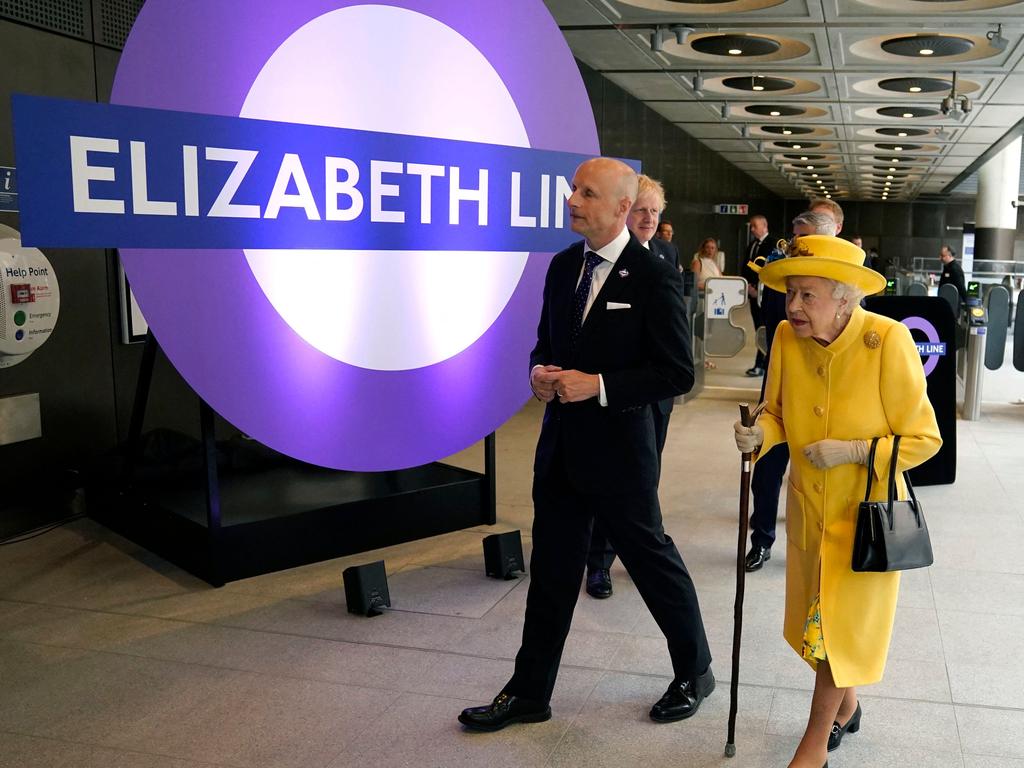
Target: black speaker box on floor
pixel 366 588
pixel 503 554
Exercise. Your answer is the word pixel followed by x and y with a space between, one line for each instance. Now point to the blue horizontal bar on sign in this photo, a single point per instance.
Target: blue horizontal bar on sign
pixel 108 176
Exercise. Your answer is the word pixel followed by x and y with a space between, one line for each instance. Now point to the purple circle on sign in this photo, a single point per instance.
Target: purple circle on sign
pixel 931 334
pixel 212 318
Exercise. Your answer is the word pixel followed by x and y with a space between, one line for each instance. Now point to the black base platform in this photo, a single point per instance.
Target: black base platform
pixel 284 516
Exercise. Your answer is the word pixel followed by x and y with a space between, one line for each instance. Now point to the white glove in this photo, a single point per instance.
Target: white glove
pixel 826 454
pixel 748 439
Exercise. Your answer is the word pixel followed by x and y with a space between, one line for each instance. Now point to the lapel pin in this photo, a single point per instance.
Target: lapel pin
pixel 623 273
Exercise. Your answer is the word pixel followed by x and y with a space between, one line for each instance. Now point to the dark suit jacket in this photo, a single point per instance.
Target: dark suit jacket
pixel 764 248
pixel 668 252
pixel 953 273
pixel 643 354
pixel 665 250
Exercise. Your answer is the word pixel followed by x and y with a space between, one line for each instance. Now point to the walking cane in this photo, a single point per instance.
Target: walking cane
pixel 747 419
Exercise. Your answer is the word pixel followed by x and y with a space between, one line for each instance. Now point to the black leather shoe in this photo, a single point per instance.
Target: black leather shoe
pixel 756 558
pixel 599 583
pixel 838 731
pixel 683 698
pixel 504 710
pixel 755 371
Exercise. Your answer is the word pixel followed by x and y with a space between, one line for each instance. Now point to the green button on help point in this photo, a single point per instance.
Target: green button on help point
pixel 19 318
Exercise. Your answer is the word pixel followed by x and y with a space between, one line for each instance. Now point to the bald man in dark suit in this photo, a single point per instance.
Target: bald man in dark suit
pixel 612 340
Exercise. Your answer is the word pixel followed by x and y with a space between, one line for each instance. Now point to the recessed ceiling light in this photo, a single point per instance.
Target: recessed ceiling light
pixel 889 177
pixel 774 113
pixel 828 196
pixel 915 89
pixel 758 88
pixel 907 114
pixel 814 175
pixel 895 159
pixel 810 167
pixel 786 132
pixel 897 149
pixel 803 157
pixel 922 52
pixel 902 134
pixel 796 146
pixel 888 183
pixel 737 52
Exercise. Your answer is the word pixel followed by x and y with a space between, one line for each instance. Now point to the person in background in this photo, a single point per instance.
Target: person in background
pixel 766 481
pixel 760 248
pixel 952 272
pixel 705 262
pixel 838 377
pixel 665 231
pixel 830 207
pixel 642 222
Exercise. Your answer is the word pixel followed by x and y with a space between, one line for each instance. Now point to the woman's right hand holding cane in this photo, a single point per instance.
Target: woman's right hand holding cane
pixel 748 439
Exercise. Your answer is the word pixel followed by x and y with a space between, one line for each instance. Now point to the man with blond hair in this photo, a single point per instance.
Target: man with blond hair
pixel 643 223
pixel 612 340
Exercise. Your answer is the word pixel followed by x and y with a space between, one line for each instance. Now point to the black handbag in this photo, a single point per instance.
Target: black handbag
pixel 890 535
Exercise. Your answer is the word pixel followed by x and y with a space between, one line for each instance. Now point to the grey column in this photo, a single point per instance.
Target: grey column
pixel 995 218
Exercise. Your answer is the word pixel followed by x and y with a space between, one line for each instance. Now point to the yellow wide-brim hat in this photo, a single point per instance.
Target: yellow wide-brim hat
pixel 822 256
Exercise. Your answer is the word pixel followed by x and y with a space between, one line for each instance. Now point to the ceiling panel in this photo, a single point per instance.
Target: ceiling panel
pixel 778 55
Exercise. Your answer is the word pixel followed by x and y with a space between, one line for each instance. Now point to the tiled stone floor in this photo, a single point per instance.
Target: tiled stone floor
pixel 111 658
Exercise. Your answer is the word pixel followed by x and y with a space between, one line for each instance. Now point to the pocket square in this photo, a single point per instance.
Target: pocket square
pixel 617 305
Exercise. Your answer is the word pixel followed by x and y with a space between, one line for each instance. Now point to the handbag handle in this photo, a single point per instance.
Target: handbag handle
pixel 892 480
pixel 871 467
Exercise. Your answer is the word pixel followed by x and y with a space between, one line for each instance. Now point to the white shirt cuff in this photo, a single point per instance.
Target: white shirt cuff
pixel 602 398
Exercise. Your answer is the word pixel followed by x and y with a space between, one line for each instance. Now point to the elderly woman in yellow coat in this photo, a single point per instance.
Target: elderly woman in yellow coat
pixel 838 377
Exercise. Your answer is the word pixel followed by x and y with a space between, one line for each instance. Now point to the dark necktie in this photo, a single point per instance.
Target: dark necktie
pixel 579 301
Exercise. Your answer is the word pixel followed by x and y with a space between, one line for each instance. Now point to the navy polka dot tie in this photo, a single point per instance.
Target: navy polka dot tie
pixel 579 301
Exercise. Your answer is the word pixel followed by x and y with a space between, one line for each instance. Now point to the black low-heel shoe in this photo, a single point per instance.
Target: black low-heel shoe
pixel 838 731
pixel 505 710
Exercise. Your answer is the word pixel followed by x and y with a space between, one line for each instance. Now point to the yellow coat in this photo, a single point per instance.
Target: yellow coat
pixel 867 383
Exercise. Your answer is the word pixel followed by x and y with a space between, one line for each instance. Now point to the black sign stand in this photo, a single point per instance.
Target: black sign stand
pixel 228 524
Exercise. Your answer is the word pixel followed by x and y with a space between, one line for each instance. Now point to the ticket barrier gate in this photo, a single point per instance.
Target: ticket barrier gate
pixel 715 335
pixel 981 341
pixel 1018 335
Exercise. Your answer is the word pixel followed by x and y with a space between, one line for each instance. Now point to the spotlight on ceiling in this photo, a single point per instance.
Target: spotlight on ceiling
pixel 657 39
pixel 996 39
pixel 681 31
pixel 725 111
pixel 698 84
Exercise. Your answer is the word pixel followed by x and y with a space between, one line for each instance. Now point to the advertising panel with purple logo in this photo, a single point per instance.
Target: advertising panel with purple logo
pixel 336 215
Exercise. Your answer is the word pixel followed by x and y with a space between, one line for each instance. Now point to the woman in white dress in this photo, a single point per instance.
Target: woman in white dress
pixel 705 262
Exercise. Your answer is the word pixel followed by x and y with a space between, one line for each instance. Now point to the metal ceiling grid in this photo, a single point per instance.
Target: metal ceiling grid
pixel 831 69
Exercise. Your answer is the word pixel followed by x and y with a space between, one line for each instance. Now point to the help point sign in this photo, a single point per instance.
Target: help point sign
pixel 336 215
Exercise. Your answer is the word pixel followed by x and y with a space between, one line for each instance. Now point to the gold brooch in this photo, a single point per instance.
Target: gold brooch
pixel 872 340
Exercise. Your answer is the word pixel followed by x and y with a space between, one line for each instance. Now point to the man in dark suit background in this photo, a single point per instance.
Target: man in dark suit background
pixel 760 247
pixel 766 481
pixel 952 272
pixel 612 340
pixel 643 223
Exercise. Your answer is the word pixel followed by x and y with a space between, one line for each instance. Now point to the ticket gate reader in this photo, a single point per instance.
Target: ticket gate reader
pixel 983 325
pixel 975 321
pixel 1018 335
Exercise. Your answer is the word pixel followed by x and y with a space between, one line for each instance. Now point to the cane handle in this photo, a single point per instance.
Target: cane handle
pixel 745 418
